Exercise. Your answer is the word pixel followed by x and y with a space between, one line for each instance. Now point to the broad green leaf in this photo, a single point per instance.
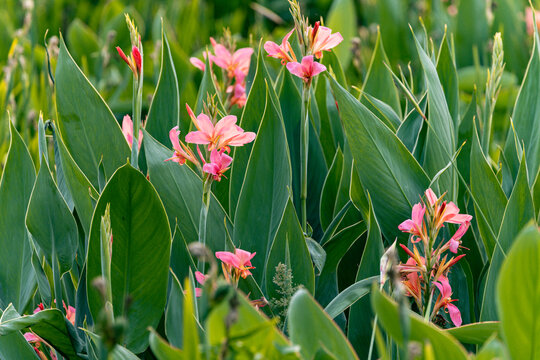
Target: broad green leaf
pixel 444 345
pixel 81 190
pixel 392 17
pixel 289 248
pixel 527 129
pixel 378 82
pixel 50 325
pixel 477 333
pixel 336 247
pixel 14 345
pixel 489 195
pixel 140 254
pixel 330 189
pixel 51 224
pixel 251 119
pixel 311 328
pixel 493 349
pixel 267 181
pixel 519 211
pixel 174 323
pixel 518 294
pixel 465 135
pixel 250 329
pixel 440 142
pixel 410 129
pixel 350 296
pixel 361 315
pixel 83 41
pixel 536 196
pixel 87 125
pixel 162 350
pixel 342 18
pixel 291 107
pixel 17 279
pixel 446 69
pixel 181 260
pixel 383 111
pixel 389 173
pixel 164 112
pixel 180 189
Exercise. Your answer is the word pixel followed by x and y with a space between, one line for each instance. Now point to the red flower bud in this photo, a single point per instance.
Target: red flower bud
pixel 137 57
pixel 122 55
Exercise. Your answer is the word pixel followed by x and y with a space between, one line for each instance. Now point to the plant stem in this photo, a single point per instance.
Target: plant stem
pixel 137 106
pixel 304 146
pixel 207 187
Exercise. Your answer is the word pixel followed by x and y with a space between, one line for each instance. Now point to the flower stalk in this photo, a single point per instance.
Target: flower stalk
pixel 205 206
pixel 304 148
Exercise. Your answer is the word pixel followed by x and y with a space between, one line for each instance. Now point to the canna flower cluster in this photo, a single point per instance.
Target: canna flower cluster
pixel 315 39
pixel 424 275
pixel 218 138
pixel 235 65
pixel 134 60
pixel 235 265
pixel 37 343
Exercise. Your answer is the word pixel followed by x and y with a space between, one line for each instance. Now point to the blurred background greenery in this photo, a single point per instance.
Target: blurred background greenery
pixel 93 28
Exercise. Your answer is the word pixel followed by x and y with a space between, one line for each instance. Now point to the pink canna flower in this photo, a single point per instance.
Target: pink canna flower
pixel 238 97
pixel 530 15
pixel 198 63
pixel 449 212
pixel 219 163
pixel 455 240
pixel 307 69
pixel 181 151
pixel 432 198
pixel 445 300
pixel 236 264
pixel 201 279
pixel 232 63
pixel 134 61
pixel 224 134
pixel 127 130
pixel 283 51
pixel 322 39
pixel 415 225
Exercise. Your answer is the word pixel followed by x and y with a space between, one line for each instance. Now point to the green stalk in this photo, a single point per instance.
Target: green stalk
pixel 304 146
pixel 137 106
pixel 206 195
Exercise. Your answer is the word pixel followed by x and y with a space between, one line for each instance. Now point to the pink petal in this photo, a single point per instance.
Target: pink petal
pixel 198 63
pixel 272 48
pixel 432 198
pixel 285 40
pixel 418 212
pixel 211 168
pixel 242 139
pixel 461 230
pixel 226 160
pixel 173 135
pixel 215 157
pixel 244 256
pixel 198 292
pixel 224 124
pixel 204 124
pixel 127 129
pixel 295 69
pixel 459 219
pixel 200 277
pixel 31 337
pixel 333 41
pixel 406 226
pixel 197 137
pixel 455 315
pixel 317 69
pixel 453 245
pixel 228 258
pixel 242 57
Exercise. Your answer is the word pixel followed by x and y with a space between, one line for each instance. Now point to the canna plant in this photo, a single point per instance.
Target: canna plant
pixel 263 220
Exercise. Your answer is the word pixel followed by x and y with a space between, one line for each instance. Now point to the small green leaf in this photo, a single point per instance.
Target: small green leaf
pixel 444 345
pixel 477 333
pixel 350 296
pixel 289 248
pixel 162 350
pixel 311 328
pixel 14 345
